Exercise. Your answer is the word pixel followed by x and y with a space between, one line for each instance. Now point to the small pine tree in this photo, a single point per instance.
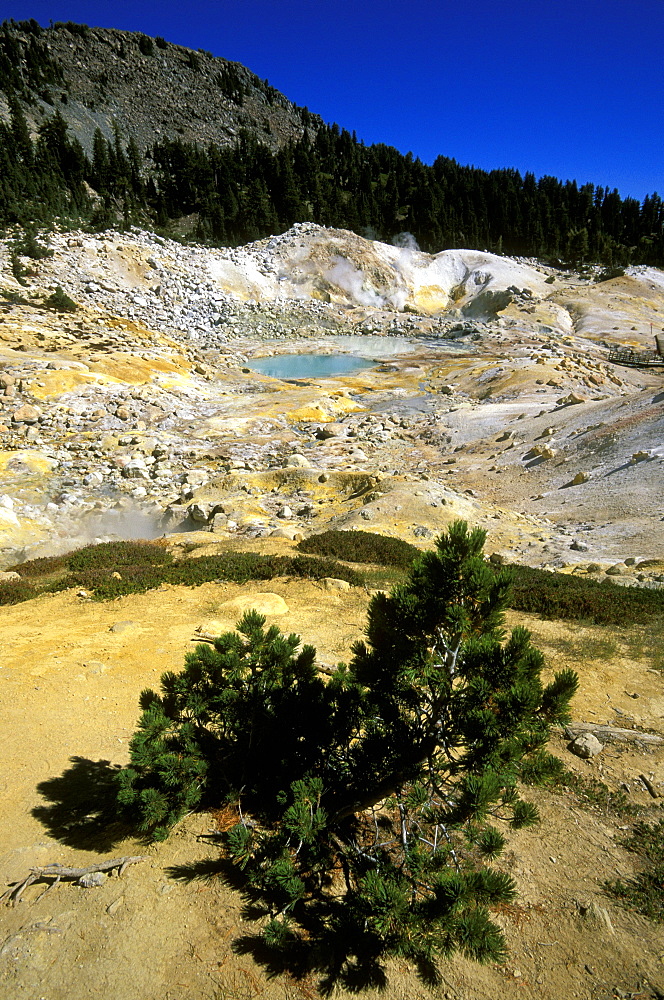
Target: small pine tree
pixel 59 301
pixel 371 805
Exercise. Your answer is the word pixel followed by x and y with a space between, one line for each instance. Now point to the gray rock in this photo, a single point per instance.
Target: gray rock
pixel 135 469
pixel 120 627
pixel 296 461
pixel 26 414
pixel 284 533
pixel 331 430
pixel 196 477
pixel 331 583
pixel 199 512
pixel 586 746
pixel 92 879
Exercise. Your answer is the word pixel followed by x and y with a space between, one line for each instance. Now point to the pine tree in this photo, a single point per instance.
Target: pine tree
pixel 370 805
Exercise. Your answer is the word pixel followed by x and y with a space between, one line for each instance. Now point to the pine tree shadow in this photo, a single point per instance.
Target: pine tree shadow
pixel 82 806
pixel 324 946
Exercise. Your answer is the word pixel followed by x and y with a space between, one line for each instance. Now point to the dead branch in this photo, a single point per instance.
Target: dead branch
pixel 58 872
pixel 611 732
pixel 649 785
pixel 202 636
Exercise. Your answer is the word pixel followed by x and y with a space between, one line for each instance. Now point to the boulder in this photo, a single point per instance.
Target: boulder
pixel 196 477
pixel 331 583
pixel 265 603
pixel 297 462
pixel 289 533
pixel 331 430
pixel 135 469
pixel 199 512
pixel 572 400
pixel 26 414
pixel 586 746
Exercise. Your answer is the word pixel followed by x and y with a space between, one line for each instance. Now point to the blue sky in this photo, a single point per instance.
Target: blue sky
pixel 572 89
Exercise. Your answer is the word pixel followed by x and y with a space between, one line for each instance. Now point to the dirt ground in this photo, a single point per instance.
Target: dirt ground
pixel 72 671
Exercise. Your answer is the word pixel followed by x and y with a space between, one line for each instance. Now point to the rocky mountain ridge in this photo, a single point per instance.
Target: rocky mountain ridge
pixel 149 89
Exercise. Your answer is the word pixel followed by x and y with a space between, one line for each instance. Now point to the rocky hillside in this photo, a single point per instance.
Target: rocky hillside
pixel 150 88
pixel 138 411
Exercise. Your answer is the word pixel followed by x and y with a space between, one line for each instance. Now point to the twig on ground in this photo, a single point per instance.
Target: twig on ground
pixel 58 872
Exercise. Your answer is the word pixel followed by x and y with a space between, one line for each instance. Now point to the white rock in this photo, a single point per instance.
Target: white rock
pixel 199 512
pixel 331 583
pixel 135 469
pixel 586 746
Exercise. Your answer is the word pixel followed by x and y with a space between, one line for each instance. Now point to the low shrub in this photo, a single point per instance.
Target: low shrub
pixel 112 569
pixel 596 795
pixel 643 893
pixel 42 566
pixel 16 591
pixel 13 298
pixel 29 246
pixel 114 555
pixel 559 595
pixel 610 272
pixel 145 565
pixel 361 547
pixel 59 301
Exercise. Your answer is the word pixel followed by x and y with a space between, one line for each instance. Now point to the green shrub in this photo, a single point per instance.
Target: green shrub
pixel 610 272
pixel 361 547
pixel 82 30
pixel 18 270
pixel 14 298
pixel 560 595
pixel 42 566
pixel 16 591
pixel 29 246
pixel 59 301
pixel 114 555
pixel 643 893
pixel 142 566
pixel 597 795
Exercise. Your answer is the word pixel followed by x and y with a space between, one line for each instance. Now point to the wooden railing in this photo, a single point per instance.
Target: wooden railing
pixel 636 359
